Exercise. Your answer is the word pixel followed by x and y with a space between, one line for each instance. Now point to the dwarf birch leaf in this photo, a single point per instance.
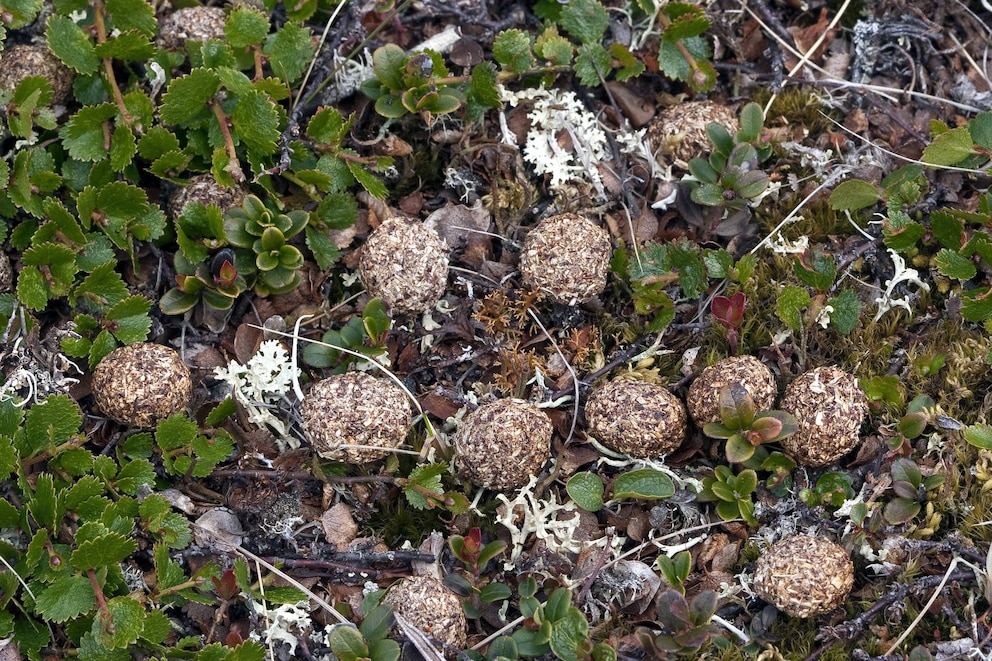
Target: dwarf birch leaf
pixel 22 13
pixel 122 147
pixel 257 122
pixel 368 181
pixel 630 66
pixel 980 128
pixel 246 26
pixel 511 49
pixel 123 626
pixel 949 148
pixel 553 47
pixel 103 551
pixel 131 319
pixel 69 596
pixel 289 50
pixel 83 135
pixel 103 286
pixel 953 265
pixel 847 311
pixel 586 20
pixel 188 96
pixel 819 273
pixel 791 302
pixel 128 46
pixel 133 15
pixel 979 435
pixel 324 250
pixel 71 45
pixel 592 64
pixel 947 229
pixel 482 86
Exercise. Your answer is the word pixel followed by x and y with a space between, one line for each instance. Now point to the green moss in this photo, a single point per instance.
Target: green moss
pixel 792 107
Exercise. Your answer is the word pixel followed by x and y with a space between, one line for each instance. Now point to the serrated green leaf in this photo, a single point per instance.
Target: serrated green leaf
pixel 645 483
pixel 846 311
pixel 687 259
pixel 368 181
pixel 68 597
pixel 84 134
pixel 103 551
pixel 187 97
pixel 128 46
pixel 976 304
pixel 21 14
pixel 553 47
pixel 133 15
pixel 586 20
pixel 629 66
pixel 246 26
pixel 328 126
pixel 103 287
pixel 290 51
pixel 257 122
pixel 156 142
pixel 816 270
pixel 953 265
pixel 324 250
pixel 72 45
pixel 43 504
pixel 122 147
pixel 790 305
pixel 949 148
pixel 511 49
pixel 120 625
pixel 900 231
pixel 687 20
pixel 592 64
pixel 947 229
pixel 31 289
pixel 586 489
pixel 483 85
pixel 853 195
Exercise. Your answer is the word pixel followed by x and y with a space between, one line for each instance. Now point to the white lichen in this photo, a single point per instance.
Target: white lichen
pixel 527 515
pixel 286 624
pixel 902 274
pixel 261 383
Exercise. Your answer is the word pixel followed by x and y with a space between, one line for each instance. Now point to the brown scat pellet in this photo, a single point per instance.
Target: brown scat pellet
pixel 703 398
pixel 637 418
pixel 679 132
pixel 355 409
pixel 567 257
pixel 142 383
pixel 191 24
pixel 804 576
pixel 829 407
pixel 22 60
pixel 502 444
pixel 404 263
pixel 432 607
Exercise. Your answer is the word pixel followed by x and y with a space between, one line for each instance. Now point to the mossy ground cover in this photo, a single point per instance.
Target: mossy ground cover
pixel 837 214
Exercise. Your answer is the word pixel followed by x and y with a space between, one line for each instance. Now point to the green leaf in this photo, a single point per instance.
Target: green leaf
pixel 847 311
pixel 103 551
pixel 246 26
pixel 949 148
pixel 21 14
pixel 482 85
pixel 791 303
pixel 511 49
pixel 84 136
pixel 687 20
pixel 643 483
pixel 586 489
pixel 738 449
pixel 257 122
pixel 123 626
pixel 901 232
pixel 68 597
pixel 72 45
pixel 426 476
pixel 592 64
pixel 553 47
pixel 348 644
pixel 156 142
pixel 290 51
pixel 980 129
pixel 128 46
pixel 953 265
pixel 687 259
pixel 629 66
pixel 853 195
pixel 752 121
pixel 948 229
pixel 368 181
pixel 31 289
pixel 586 20
pixel 900 510
pixel 979 435
pixel 569 636
pixel 818 273
pixel 133 15
pixel 122 147
pixel 388 64
pixel 187 97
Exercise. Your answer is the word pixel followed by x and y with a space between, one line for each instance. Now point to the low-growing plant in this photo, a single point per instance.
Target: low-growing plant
pixel 365 335
pixel 732 492
pixel 369 640
pixel 475 555
pixel 911 491
pixel 675 570
pixel 744 428
pixel 686 625
pixel 587 490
